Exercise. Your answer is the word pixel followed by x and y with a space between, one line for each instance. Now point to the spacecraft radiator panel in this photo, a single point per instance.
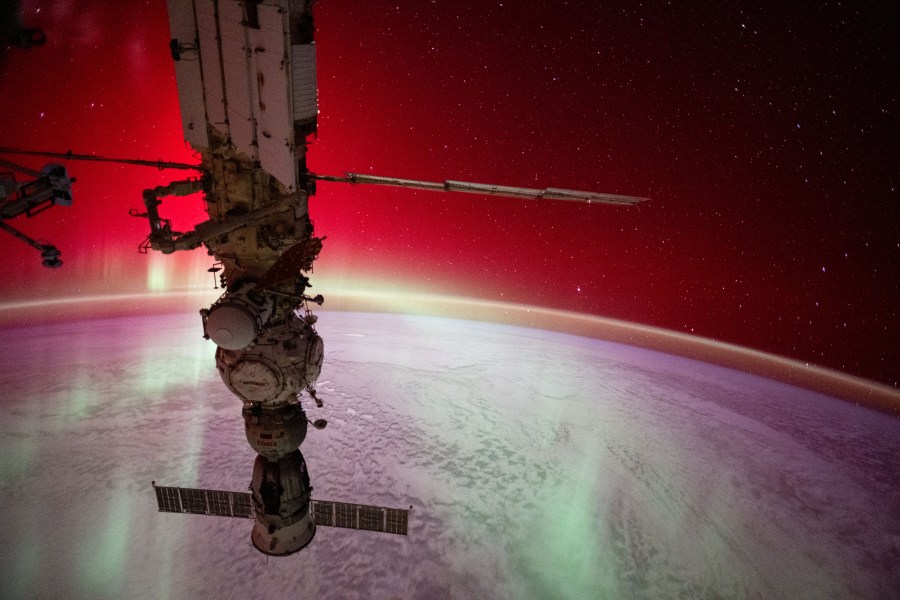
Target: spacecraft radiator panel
pixel 187 74
pixel 250 85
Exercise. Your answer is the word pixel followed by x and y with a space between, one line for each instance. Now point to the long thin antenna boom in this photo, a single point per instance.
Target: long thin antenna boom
pixel 484 188
pixel 49 253
pixel 159 164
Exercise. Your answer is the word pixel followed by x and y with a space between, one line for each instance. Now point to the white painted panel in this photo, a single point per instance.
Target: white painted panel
pixel 239 105
pixel 275 133
pixel 187 74
pixel 303 67
pixel 211 65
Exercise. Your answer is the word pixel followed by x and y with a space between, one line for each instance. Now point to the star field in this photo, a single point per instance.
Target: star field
pixel 766 136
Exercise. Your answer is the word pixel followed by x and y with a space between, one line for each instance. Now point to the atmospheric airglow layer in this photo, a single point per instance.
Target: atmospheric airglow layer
pixel 390 300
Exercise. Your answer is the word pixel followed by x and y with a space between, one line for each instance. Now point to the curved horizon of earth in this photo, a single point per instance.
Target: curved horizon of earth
pixel 538 465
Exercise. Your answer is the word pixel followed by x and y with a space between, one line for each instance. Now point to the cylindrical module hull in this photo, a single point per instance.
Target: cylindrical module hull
pixel 284 540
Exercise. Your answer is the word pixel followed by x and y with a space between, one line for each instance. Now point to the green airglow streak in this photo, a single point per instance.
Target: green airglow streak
pixel 166 273
pixel 17 453
pixel 80 399
pixel 159 274
pixel 101 564
pixel 25 561
pixel 570 555
pixel 163 369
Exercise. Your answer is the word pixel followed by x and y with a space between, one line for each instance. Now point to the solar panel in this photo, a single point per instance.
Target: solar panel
pixel 359 516
pixel 167 499
pixel 326 513
pixel 193 501
pixel 204 502
pixel 241 505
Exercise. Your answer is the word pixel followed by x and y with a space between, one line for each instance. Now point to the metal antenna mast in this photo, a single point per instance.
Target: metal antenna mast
pixel 486 189
pixel 159 164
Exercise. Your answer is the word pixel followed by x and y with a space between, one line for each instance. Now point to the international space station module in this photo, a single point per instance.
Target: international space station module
pixel 246 75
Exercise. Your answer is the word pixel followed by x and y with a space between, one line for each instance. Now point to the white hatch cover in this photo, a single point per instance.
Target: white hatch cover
pixel 231 326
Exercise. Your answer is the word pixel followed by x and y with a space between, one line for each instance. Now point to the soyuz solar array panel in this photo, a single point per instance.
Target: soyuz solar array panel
pixel 324 512
pixel 359 516
pixel 204 502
